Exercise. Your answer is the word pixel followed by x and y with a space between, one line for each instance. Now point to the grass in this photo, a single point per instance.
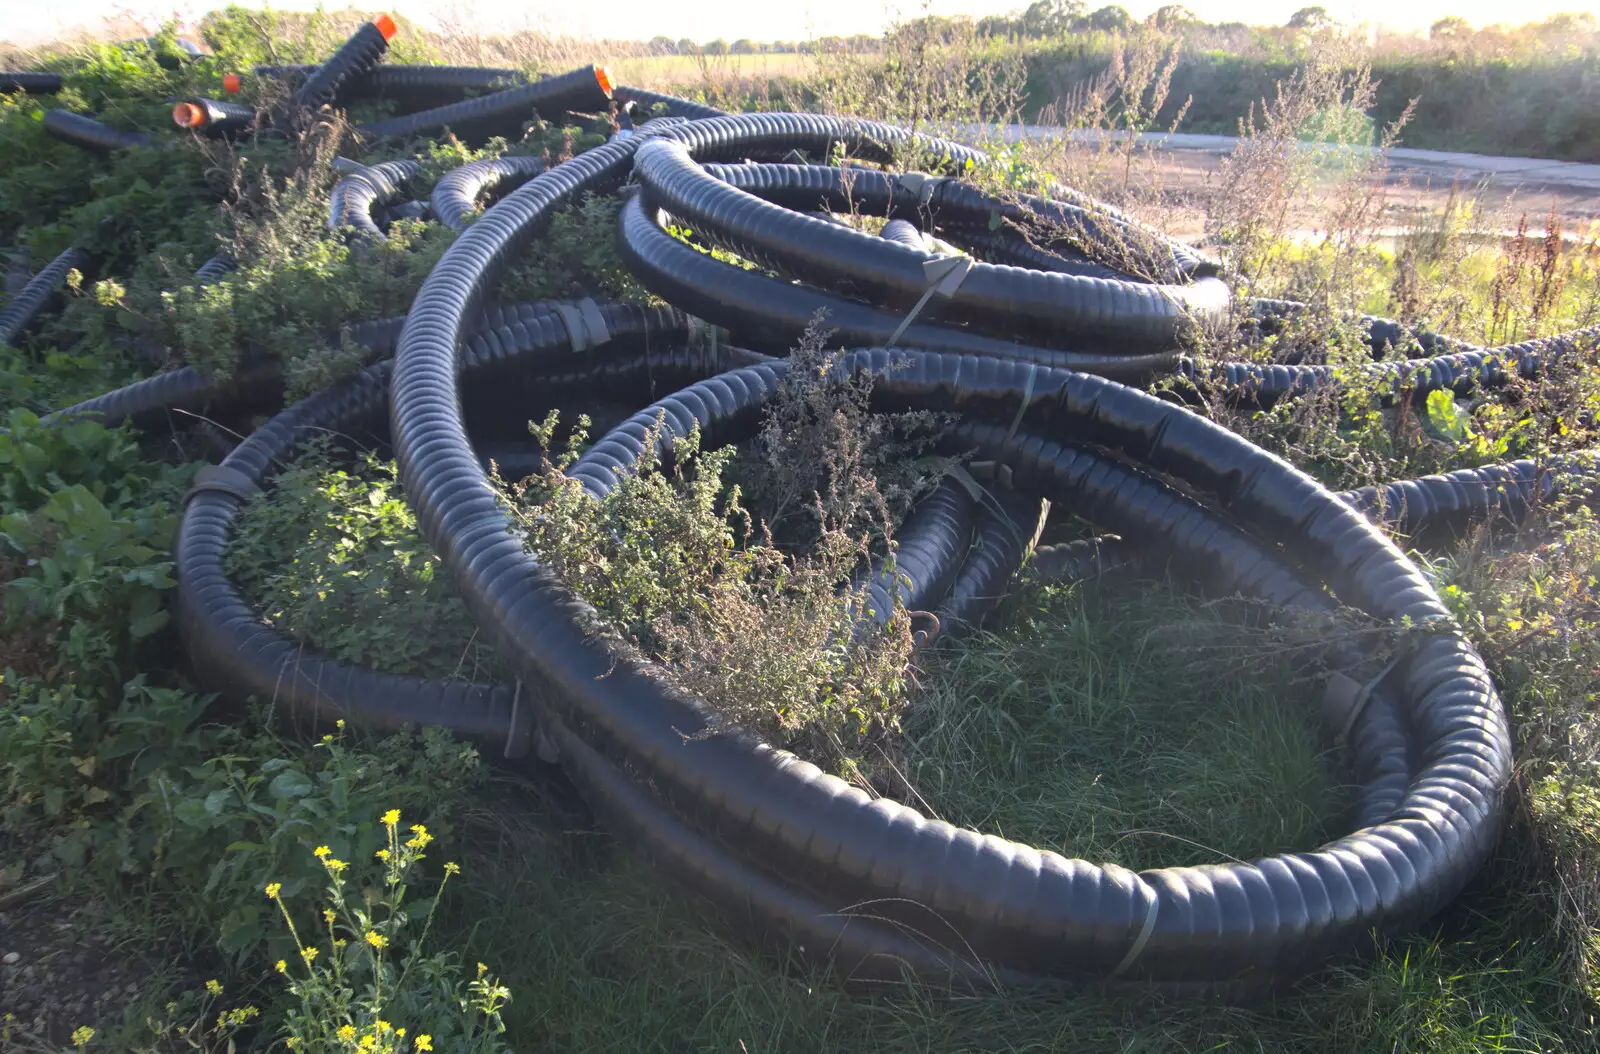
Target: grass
pixel 1121 720
pixel 1131 725
pixel 601 955
pixel 650 71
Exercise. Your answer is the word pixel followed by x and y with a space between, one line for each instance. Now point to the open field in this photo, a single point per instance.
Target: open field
pixel 670 71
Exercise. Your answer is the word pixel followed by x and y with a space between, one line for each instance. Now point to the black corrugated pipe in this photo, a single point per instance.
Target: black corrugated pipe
pixel 745 814
pixel 1041 306
pixel 186 393
pixel 31 300
pixel 474 121
pixel 1460 372
pixel 1183 928
pixel 674 106
pixel 771 315
pixel 363 51
pixel 631 351
pixel 90 134
pixel 213 118
pixel 215 269
pixel 1427 512
pixel 357 197
pixel 29 81
pixel 455 196
pixel 904 232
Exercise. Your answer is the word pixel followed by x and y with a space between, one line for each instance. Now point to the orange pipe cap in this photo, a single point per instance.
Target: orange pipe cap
pixel 188 115
pixel 386 26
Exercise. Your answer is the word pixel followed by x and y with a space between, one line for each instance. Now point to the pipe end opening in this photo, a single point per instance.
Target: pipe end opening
pixel 188 115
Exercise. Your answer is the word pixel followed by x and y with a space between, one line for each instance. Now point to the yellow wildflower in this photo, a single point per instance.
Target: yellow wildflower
pixel 419 836
pixel 321 851
pixel 391 818
pixel 272 890
pixel 452 868
pixel 281 966
pixel 214 986
pixel 376 939
pixel 308 954
pixel 424 1042
pixel 347 1032
pixel 82 1035
pixel 328 916
pixel 383 854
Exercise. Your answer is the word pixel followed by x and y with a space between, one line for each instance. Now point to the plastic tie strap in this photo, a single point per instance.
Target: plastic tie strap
pixel 586 326
pixel 1140 941
pixel 222 480
pixel 921 184
pixel 945 275
pixel 1345 698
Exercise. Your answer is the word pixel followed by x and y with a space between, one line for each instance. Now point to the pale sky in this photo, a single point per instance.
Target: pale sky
pixel 27 21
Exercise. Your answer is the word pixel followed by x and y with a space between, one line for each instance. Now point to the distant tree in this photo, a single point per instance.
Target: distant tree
pixel 998 26
pixel 717 47
pixel 1109 19
pixel 685 46
pixel 742 46
pixel 1047 18
pixel 661 45
pixel 1173 16
pixel 1311 18
pixel 1449 28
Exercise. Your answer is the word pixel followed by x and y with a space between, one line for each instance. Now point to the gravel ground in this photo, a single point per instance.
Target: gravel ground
pixel 61 969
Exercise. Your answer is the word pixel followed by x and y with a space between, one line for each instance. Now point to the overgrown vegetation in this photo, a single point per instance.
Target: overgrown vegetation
pixel 1114 720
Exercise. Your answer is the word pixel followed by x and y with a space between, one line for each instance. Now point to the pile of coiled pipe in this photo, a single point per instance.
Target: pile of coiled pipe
pixel 800 852
pixel 795 850
pixel 525 355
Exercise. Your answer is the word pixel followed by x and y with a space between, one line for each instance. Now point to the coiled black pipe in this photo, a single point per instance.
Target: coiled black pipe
pixel 363 51
pixel 772 315
pixel 904 232
pixel 90 134
pixel 30 302
pixel 30 82
pixel 1461 372
pixel 673 106
pixel 1045 306
pixel 455 196
pixel 997 247
pixel 357 196
pixel 534 351
pixel 478 120
pixel 1427 512
pixel 1182 927
pixel 187 394
pixel 798 812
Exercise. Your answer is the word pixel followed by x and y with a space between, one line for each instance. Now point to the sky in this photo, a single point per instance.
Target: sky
pixel 29 21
